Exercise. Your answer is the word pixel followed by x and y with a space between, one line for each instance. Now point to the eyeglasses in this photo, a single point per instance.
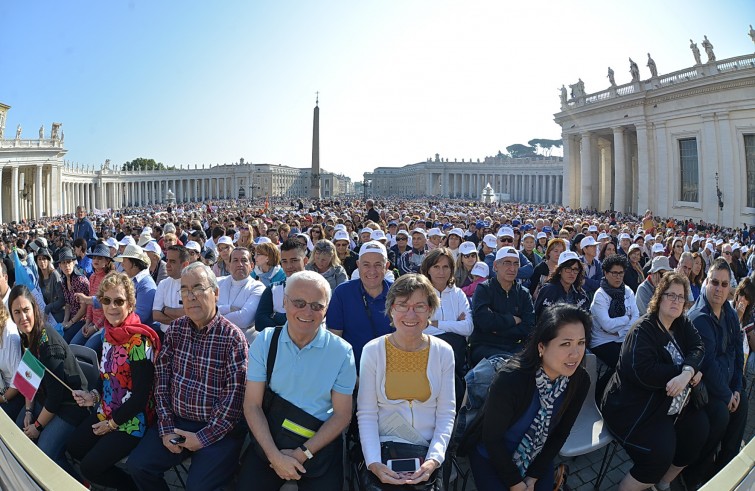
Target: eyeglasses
pixel 616 274
pixel 301 303
pixel 726 253
pixel 467 256
pixel 575 269
pixel 419 308
pixel 118 302
pixel 674 298
pixel 195 292
pixel 716 283
pixel 505 239
pixel 510 264
pixel 401 239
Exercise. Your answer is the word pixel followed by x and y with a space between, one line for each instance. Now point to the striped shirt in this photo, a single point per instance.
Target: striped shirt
pixel 200 375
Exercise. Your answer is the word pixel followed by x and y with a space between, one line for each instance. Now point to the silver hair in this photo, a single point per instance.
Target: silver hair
pixel 203 267
pixel 685 256
pixel 312 277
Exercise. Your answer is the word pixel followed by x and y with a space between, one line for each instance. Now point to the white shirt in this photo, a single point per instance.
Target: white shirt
pixel 453 302
pixel 238 300
pixel 168 294
pixel 10 354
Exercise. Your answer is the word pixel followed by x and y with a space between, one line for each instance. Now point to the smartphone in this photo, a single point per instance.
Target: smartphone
pixel 177 440
pixel 403 465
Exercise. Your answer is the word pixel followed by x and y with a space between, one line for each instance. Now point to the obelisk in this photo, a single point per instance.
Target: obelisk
pixel 314 186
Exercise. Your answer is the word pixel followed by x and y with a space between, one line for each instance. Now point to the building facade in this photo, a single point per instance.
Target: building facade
pixel 35 180
pixel 680 144
pixel 527 180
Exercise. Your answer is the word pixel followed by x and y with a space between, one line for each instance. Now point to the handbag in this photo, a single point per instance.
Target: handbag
pixel 397 450
pixel 699 397
pixel 291 426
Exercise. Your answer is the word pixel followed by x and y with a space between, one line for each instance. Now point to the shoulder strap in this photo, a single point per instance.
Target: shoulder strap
pixel 271 354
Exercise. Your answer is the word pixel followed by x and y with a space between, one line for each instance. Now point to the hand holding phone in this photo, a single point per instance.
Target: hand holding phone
pixel 403 465
pixel 178 440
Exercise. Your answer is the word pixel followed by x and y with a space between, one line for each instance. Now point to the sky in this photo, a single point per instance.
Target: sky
pixel 208 83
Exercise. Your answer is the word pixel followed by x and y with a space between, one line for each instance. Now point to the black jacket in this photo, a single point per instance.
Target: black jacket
pixel 510 395
pixel 493 316
pixel 636 393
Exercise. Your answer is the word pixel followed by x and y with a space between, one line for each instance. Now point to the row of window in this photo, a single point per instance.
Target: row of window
pixel 690 178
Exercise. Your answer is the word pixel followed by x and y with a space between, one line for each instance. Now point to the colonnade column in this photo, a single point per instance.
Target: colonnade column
pixel 619 170
pixel 643 169
pixel 585 163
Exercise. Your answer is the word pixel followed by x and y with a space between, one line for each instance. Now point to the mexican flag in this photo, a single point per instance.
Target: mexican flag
pixel 28 375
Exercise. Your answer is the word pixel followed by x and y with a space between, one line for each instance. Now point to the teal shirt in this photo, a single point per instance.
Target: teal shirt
pixel 305 377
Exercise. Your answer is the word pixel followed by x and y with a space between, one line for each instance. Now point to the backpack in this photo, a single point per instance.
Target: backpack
pixel 468 423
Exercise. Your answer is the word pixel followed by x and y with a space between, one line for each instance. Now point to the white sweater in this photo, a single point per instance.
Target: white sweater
pixel 433 419
pixel 453 302
pixel 604 328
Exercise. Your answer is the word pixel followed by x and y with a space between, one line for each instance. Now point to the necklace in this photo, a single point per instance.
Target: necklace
pixel 416 348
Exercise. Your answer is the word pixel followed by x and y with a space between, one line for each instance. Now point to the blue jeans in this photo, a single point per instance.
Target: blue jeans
pixel 72 331
pixel 94 341
pixel 53 438
pixel 211 466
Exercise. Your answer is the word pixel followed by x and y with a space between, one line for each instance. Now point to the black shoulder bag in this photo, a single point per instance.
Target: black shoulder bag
pixel 289 425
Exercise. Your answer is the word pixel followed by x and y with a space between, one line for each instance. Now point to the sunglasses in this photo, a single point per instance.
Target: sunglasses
pixel 505 239
pixel 118 302
pixel 301 303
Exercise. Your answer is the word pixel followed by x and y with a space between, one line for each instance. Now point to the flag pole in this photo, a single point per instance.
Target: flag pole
pixel 58 379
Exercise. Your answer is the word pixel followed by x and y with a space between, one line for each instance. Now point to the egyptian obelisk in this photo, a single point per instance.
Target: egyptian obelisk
pixel 314 186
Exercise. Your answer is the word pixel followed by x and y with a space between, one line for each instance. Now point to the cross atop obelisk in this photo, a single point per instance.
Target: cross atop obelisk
pixel 314 186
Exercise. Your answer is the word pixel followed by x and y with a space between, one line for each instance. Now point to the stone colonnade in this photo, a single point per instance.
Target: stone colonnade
pixel 29 191
pixel 526 188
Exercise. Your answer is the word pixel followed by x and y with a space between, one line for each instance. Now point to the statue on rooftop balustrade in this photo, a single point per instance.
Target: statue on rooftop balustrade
pixel 563 95
pixel 651 65
pixel 708 47
pixel 695 52
pixel 578 89
pixel 18 132
pixel 752 33
pixel 634 70
pixel 42 132
pixel 55 131
pixel 611 78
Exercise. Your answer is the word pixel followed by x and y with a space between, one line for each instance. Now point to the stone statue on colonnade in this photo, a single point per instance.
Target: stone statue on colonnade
pixel 563 95
pixel 634 70
pixel 752 33
pixel 611 78
pixel 653 68
pixel 18 132
pixel 42 132
pixel 695 52
pixel 55 130
pixel 708 46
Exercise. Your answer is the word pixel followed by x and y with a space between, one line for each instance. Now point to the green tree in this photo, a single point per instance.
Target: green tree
pixel 145 164
pixel 517 150
pixel 544 146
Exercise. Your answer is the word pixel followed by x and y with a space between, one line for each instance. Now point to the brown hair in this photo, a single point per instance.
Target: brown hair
pixel 670 278
pixel 269 250
pixel 4 318
pixel 406 285
pixel 30 340
pixel 433 257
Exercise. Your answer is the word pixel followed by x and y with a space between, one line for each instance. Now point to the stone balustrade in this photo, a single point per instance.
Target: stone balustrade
pixel 36 143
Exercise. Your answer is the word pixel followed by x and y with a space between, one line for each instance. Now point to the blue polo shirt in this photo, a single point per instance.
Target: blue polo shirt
pixel 306 376
pixel 360 317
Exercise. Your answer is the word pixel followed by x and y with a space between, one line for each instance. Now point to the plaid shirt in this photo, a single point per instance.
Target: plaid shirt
pixel 200 376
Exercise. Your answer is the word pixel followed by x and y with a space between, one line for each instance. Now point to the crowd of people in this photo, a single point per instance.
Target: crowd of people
pixel 277 330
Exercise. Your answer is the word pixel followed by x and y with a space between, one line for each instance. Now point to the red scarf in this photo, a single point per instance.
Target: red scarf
pixel 118 336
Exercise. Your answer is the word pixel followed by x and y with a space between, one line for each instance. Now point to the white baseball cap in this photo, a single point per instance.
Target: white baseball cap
pixel 624 236
pixel 592 228
pixel 567 256
pixel 341 235
pixel 506 232
pixel 111 242
pixel 127 241
pixel 193 246
pixel 419 231
pixel 457 231
pixel 467 248
pixel 154 247
pixel 377 235
pixel 541 235
pixel 505 252
pixel 373 246
pixel 481 269
pixel 657 248
pixel 225 240
pixel 490 241
pixel 587 242
pixel 435 232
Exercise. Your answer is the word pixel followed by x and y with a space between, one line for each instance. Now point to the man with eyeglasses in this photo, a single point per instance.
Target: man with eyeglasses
pixel 411 260
pixel 198 399
pixel 503 312
pixel 718 325
pixel 505 238
pixel 401 245
pixel 271 310
pixel 658 268
pixel 314 371
pixel 357 309
pixel 240 294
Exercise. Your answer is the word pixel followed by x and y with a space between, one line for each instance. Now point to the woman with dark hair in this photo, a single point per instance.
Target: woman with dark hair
pixel 51 285
pixel 532 405
pixel 95 318
pixel 465 261
pixel 407 376
pixel 122 399
pixel 614 311
pixel 52 416
pixel 677 248
pixel 608 249
pixel 564 284
pixel 633 274
pixel 744 304
pixel 644 403
pixel 697 275
pixel 316 233
pixel 73 282
pixel 549 264
pixel 10 355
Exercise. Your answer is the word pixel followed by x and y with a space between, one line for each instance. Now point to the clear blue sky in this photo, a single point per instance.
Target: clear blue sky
pixel 399 80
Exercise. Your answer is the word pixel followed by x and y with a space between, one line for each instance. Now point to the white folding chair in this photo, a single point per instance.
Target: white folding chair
pixel 589 432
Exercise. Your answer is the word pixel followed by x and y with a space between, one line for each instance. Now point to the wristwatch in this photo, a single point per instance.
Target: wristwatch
pixel 687 368
pixel 306 451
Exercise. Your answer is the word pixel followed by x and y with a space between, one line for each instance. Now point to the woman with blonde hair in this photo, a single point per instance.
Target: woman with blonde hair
pixel 266 264
pixel 246 236
pixel 406 376
pixel 325 261
pixel 10 356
